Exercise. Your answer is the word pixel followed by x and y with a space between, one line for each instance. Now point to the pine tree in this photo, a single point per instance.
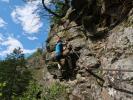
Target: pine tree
pixel 14 75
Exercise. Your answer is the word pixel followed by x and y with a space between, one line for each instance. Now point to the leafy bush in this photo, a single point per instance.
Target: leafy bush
pixel 32 92
pixel 55 92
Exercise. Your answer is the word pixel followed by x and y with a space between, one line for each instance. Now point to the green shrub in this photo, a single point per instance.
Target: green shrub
pixel 32 90
pixel 55 92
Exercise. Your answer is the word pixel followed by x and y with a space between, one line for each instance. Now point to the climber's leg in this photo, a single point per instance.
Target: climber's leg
pixel 59 66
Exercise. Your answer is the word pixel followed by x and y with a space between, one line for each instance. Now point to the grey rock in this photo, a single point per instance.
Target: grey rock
pixel 126 63
pixel 88 62
pixel 85 52
pixel 77 43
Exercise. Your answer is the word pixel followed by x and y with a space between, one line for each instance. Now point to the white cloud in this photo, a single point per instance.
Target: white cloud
pixel 11 43
pixel 2 23
pixel 32 38
pixel 7 1
pixel 26 51
pixel 1 37
pixel 28 17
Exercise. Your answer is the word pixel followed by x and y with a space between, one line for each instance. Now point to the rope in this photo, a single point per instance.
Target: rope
pixel 109 69
pixel 105 69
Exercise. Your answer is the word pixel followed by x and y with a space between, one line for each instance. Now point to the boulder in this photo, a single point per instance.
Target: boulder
pixel 88 62
pixel 77 43
pixel 125 63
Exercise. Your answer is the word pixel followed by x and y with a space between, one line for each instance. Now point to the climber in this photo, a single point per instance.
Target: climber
pixel 58 49
pixel 61 51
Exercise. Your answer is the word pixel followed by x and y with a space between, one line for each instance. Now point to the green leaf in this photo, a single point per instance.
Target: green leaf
pixel 0 94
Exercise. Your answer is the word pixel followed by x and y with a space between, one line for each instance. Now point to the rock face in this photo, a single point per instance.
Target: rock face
pixel 113 50
pixel 88 62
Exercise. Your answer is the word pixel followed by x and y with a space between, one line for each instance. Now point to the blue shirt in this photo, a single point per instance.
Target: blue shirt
pixel 59 48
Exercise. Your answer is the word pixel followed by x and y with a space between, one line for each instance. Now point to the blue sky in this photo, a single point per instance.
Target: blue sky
pixel 21 26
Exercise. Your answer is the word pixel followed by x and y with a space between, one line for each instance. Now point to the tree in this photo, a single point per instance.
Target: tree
pixel 56 9
pixel 14 75
pixel 50 11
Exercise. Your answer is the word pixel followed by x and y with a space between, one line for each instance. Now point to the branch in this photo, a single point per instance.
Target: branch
pixel 50 11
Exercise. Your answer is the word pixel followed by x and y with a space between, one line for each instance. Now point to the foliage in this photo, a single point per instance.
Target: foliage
pixel 35 91
pixel 14 77
pixel 56 9
pixel 2 85
pixel 32 90
pixel 17 83
pixel 59 9
pixel 55 92
pixel 37 53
